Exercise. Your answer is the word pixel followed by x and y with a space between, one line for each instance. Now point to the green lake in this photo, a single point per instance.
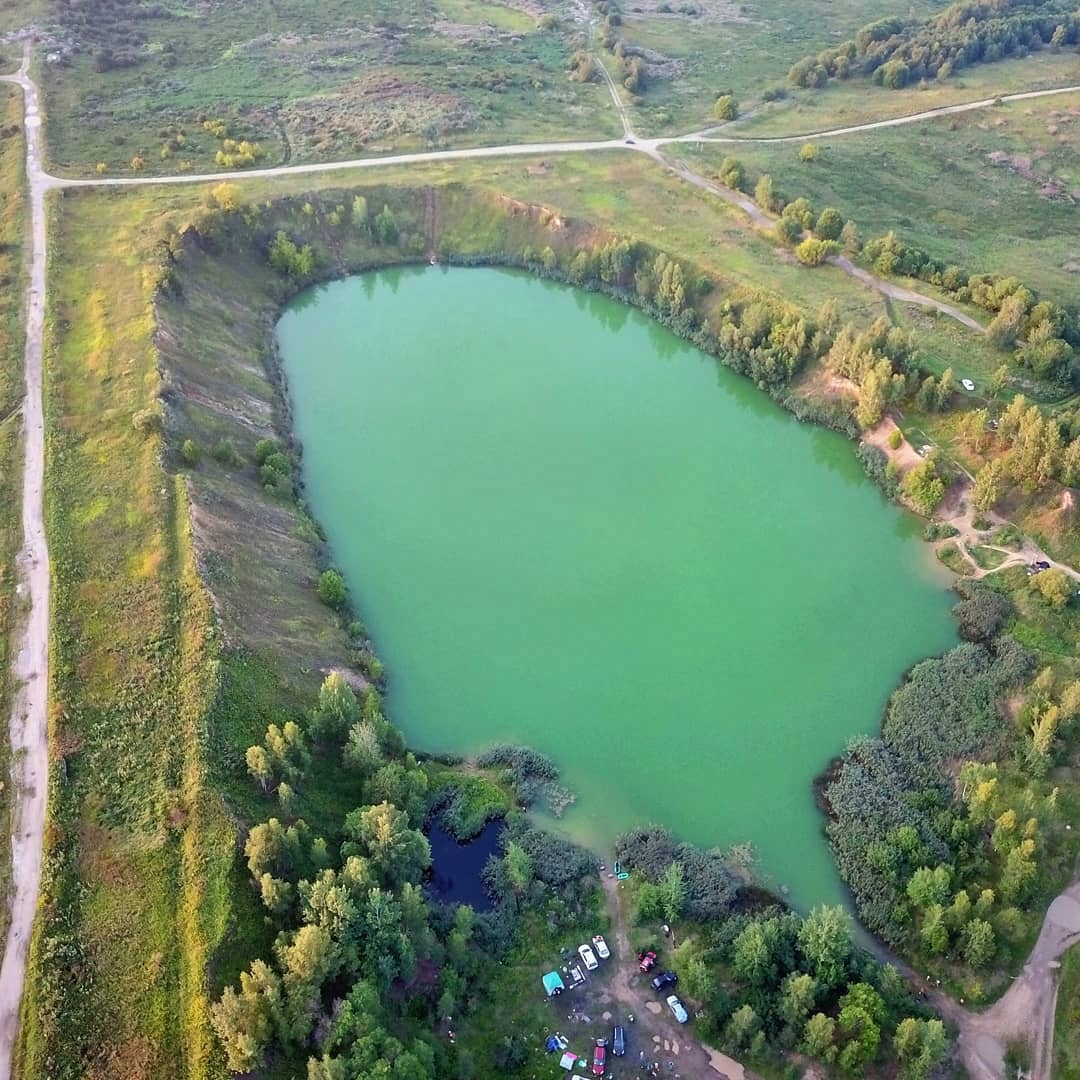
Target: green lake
pixel 565 527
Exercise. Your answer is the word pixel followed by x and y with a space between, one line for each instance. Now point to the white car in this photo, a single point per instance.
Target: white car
pixel 600 945
pixel 967 384
pixel 677 1010
pixel 587 957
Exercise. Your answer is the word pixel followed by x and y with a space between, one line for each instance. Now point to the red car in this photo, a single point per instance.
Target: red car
pixel 648 960
pixel 599 1057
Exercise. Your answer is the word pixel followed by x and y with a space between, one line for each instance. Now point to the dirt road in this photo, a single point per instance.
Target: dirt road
pixel 655 1031
pixel 1026 1011
pixel 29 742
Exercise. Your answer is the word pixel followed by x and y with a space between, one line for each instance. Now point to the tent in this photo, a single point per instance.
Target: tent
pixel 568 1061
pixel 553 983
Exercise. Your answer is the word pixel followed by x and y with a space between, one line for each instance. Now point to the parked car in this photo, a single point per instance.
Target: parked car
pixel 599 1057
pixel 967 384
pixel 587 957
pixel 647 960
pixel 677 1010
pixel 664 980
pixel 600 945
pixel 618 1041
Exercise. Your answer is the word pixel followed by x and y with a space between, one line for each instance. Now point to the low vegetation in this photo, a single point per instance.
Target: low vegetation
pixel 184 730
pixel 141 88
pixel 12 224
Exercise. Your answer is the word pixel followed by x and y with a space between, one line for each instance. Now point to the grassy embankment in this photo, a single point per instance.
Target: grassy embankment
pixel 12 280
pixel 137 849
pixel 310 83
pixel 1067 1026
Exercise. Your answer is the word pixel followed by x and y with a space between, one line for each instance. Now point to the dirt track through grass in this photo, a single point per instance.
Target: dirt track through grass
pixel 29 735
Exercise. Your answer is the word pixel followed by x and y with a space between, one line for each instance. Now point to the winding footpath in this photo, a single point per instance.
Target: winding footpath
pixel 28 725
pixel 981 1034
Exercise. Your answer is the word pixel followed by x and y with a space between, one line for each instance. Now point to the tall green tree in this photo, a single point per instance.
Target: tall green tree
pixel 825 940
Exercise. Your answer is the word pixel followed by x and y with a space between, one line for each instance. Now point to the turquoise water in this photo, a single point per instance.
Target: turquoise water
pixel 567 528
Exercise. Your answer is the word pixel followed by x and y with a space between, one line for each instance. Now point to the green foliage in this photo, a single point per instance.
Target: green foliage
pixel 385 228
pixel 813 252
pixel 337 709
pixel 286 258
pixel 332 588
pixel 710 882
pixel 726 108
pixel 895 52
pixel 190 452
pixel 922 485
pixel 1054 586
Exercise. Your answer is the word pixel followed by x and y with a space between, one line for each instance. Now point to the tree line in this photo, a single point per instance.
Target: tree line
pixel 1039 335
pixel 895 52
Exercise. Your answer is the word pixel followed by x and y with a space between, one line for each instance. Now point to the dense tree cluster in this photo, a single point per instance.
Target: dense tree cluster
pixel 354 932
pixel 893 813
pixel 896 51
pixel 699 884
pixel 775 982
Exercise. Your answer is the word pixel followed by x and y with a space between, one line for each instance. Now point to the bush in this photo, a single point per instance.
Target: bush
pixel 332 588
pixel 711 885
pixel 225 452
pixel 876 463
pixel 149 420
pixel 524 762
pixel 190 452
pixel 465 803
pixel 980 612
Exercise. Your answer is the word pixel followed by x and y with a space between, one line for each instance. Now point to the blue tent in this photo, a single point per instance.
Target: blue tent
pixel 553 983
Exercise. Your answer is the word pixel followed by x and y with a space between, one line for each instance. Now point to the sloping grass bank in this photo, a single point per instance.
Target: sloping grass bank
pixel 136 846
pixel 12 280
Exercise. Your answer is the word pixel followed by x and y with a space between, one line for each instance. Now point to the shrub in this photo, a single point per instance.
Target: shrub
pixel 190 452
pixel 225 452
pixel 331 588
pixel 980 612
pixel 149 420
pixel 896 437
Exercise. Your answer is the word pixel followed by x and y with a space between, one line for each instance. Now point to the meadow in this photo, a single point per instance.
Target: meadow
pixel 993 191
pixel 307 82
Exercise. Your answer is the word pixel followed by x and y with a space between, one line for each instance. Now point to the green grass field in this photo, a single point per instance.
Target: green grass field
pixel 993 190
pixel 741 48
pixel 1067 1026
pixel 858 101
pixel 313 82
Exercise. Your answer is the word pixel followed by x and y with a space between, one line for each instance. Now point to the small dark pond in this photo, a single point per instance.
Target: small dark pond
pixel 456 867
